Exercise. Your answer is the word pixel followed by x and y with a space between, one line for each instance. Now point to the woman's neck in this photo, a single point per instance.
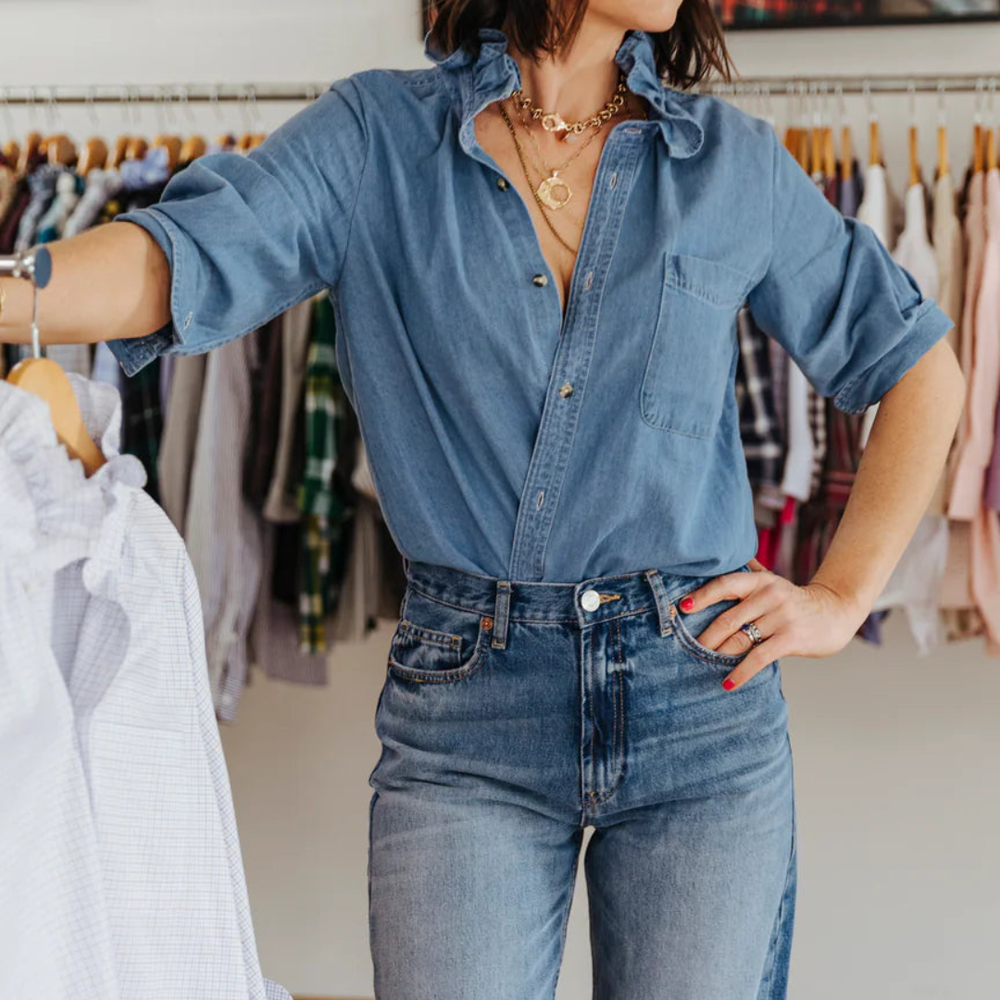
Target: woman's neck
pixel 578 83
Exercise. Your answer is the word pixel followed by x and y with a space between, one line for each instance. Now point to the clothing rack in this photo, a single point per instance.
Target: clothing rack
pixel 173 93
pixel 798 86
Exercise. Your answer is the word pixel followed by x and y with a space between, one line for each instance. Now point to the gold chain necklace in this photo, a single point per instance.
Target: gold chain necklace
pixel 552 121
pixel 554 190
pixel 524 167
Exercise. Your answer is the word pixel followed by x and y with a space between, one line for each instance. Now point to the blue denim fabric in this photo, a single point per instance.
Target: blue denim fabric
pixel 507 437
pixel 511 718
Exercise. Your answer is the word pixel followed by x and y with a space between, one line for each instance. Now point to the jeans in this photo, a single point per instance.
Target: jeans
pixel 513 715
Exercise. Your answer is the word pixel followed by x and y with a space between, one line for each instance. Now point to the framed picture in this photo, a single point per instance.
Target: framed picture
pixel 744 14
pixel 740 15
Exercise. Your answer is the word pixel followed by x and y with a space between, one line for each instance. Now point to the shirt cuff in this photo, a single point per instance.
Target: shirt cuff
pixel 930 324
pixel 134 353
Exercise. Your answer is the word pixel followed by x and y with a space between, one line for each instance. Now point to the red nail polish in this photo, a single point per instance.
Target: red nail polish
pixel 687 604
pixel 729 684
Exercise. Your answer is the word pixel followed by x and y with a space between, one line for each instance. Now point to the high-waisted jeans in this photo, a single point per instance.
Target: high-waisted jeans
pixel 513 715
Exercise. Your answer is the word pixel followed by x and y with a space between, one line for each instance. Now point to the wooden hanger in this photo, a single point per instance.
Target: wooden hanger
pixel 829 153
pixel 874 145
pixel 193 147
pixel 815 149
pixel 846 155
pixel 225 140
pixel 136 148
pixel 32 142
pixel 991 149
pixel 172 144
pixel 12 153
pixel 118 151
pixel 944 165
pixel 258 138
pixel 43 378
pixel 93 157
pixel 60 149
pixel 914 157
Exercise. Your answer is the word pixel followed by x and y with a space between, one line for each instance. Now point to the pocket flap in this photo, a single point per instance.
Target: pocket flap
pixel 710 280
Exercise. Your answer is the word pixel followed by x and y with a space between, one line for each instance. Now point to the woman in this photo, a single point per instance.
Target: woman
pixel 536 274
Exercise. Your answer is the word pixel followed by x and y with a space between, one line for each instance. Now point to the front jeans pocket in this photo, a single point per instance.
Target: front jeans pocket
pixel 437 642
pixel 693 352
pixel 689 625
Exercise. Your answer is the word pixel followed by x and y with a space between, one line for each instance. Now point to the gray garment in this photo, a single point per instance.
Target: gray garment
pixel 101 185
pixel 180 433
pixel 282 503
pixel 360 597
pixel 274 635
pixel 222 532
pixel 42 184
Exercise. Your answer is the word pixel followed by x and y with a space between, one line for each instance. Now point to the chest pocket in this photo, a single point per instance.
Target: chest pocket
pixel 686 377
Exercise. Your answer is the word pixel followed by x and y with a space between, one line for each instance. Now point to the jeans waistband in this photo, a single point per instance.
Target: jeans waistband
pixel 583 603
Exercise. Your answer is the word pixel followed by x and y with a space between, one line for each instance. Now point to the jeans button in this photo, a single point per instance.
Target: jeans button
pixel 590 600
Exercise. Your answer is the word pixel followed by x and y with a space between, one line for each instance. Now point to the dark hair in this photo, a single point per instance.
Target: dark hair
pixel 686 54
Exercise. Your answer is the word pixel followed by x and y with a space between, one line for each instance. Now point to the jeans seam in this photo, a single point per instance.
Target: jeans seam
pixel 769 971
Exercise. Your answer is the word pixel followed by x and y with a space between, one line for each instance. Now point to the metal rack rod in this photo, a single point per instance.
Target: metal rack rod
pixel 797 86
pixel 174 93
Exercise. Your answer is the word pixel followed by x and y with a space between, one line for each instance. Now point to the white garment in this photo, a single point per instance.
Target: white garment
pixel 915 584
pixel 797 478
pixel 880 209
pixel 122 877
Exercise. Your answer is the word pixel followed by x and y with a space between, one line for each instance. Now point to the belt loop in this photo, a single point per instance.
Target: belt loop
pixel 662 600
pixel 500 614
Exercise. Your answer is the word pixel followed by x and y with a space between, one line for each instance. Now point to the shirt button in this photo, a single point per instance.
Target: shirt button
pixel 591 600
pixel 502 183
pixel 541 280
pixel 565 390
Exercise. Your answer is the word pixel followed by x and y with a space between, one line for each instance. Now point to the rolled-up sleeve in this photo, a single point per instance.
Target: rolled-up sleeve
pixel 248 236
pixel 853 319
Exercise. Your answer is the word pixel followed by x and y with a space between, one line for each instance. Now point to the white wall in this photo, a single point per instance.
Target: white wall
pixel 895 755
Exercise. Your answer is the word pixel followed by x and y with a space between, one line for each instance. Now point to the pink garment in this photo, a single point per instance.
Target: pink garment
pixel 967 500
pixel 976 449
pixel 956 587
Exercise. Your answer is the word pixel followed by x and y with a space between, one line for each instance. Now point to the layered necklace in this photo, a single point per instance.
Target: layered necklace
pixel 553 192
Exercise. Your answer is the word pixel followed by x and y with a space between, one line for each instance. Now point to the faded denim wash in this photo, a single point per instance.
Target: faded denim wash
pixel 511 718
pixel 505 437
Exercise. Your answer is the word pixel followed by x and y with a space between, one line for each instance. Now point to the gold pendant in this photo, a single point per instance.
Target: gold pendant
pixel 554 191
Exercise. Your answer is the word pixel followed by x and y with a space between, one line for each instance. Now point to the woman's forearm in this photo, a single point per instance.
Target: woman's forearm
pixel 900 467
pixel 108 283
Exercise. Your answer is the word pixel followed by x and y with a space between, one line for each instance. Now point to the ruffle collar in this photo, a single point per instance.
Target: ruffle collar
pixel 475 81
pixel 53 513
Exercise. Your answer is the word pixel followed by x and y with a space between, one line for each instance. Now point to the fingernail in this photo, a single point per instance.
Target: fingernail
pixel 687 604
pixel 729 684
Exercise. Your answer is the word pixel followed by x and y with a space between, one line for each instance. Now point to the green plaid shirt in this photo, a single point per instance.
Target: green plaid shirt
pixel 324 513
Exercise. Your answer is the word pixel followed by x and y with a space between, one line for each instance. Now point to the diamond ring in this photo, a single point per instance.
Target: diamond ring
pixel 751 630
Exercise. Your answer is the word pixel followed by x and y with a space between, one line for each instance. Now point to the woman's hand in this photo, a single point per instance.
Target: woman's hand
pixel 813 620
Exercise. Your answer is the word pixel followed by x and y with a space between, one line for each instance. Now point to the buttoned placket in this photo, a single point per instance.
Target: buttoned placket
pixel 570 370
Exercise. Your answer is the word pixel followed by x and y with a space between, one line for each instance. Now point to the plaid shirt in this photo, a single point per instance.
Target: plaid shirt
pixel 324 540
pixel 762 444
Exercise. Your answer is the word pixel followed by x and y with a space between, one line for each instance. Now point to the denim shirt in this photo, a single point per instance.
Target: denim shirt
pixel 508 437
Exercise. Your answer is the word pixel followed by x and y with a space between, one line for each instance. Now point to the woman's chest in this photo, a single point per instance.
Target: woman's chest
pixel 464 284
